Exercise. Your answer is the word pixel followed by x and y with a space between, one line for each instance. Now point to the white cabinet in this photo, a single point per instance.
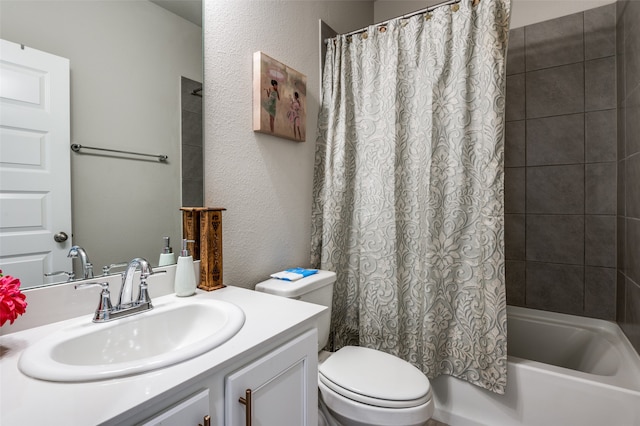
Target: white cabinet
pixel 190 412
pixel 279 388
pixel 274 355
pixel 282 379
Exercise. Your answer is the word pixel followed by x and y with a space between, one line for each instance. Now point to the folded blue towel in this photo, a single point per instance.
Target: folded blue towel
pixel 293 274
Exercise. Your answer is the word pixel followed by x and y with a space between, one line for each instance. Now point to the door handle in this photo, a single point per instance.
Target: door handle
pixel 246 401
pixel 60 237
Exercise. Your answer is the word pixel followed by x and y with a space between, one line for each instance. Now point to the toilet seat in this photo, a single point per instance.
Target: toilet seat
pixel 374 378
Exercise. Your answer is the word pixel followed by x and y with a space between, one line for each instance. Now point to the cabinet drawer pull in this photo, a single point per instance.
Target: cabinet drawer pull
pixel 246 401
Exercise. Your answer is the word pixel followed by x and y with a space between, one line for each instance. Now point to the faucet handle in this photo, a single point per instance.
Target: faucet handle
pixel 104 306
pixel 143 293
pixel 107 269
pixel 71 275
pixel 104 285
pixel 88 270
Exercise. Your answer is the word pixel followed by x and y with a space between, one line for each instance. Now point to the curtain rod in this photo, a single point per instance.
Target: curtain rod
pixel 408 15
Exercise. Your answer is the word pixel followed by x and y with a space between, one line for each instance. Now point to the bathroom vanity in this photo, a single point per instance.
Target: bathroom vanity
pixel 268 367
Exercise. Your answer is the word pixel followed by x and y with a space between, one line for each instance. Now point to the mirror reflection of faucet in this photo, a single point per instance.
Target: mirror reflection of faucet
pixel 126 304
pixel 106 270
pixel 70 275
pixel 77 252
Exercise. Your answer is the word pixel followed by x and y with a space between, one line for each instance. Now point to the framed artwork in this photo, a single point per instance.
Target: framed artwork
pixel 279 99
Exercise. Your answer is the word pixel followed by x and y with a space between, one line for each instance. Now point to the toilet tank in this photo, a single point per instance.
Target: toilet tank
pixel 316 288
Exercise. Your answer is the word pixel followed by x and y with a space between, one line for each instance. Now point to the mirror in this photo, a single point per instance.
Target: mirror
pixel 128 62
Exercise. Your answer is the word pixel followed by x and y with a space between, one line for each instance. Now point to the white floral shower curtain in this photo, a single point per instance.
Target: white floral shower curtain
pixel 408 190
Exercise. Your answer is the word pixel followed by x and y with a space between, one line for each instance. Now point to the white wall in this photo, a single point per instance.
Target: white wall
pixel 264 182
pixel 523 12
pixel 126 60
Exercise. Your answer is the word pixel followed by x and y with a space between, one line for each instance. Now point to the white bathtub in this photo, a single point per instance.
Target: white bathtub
pixel 562 370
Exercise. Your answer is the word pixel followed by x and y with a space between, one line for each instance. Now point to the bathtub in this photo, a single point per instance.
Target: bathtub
pixel 562 370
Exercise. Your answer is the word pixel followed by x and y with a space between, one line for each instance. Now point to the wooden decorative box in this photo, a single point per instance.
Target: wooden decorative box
pixel 204 226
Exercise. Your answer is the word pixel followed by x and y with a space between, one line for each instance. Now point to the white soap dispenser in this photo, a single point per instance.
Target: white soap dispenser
pixel 167 257
pixel 185 284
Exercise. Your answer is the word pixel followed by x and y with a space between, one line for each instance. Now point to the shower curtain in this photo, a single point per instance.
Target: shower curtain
pixel 408 190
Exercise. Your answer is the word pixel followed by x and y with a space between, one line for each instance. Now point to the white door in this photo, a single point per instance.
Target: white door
pixel 281 388
pixel 35 189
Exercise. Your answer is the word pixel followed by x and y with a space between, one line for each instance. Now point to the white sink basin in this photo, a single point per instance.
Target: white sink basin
pixel 170 333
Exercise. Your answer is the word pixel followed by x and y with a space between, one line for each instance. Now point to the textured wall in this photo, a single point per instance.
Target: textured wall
pixel 560 165
pixel 264 182
pixel 628 50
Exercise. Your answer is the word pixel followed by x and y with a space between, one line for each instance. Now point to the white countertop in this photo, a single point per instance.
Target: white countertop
pixel 27 401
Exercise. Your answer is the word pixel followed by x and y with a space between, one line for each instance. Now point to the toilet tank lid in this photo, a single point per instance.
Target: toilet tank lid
pixel 299 287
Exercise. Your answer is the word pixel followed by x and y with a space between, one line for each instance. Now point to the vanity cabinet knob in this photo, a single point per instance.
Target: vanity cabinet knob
pixel 246 401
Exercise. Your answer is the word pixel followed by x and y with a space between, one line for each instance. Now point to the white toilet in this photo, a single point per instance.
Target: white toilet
pixel 358 386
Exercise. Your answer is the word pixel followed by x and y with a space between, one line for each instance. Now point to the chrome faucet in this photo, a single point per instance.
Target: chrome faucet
pixel 126 291
pixel 87 268
pixel 126 304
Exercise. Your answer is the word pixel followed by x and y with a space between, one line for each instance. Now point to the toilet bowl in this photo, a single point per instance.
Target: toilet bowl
pixel 358 386
pixel 366 387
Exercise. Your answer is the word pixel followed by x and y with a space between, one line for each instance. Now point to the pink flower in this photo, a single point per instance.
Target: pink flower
pixel 12 302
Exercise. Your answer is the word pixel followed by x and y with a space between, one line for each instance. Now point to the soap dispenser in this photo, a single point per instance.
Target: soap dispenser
pixel 185 284
pixel 167 257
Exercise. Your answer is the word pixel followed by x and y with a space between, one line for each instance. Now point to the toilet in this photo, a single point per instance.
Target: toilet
pixel 358 386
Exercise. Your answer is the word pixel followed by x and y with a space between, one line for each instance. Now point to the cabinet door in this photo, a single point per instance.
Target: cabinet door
pixel 280 388
pixel 189 412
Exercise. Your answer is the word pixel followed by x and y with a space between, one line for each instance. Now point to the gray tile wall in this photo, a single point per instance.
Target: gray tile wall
pixel 192 164
pixel 628 175
pixel 560 165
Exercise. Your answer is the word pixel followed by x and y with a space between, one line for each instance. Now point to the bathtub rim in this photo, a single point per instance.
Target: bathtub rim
pixel 608 330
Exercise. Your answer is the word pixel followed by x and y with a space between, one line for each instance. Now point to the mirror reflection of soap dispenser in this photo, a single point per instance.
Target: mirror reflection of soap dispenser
pixel 167 257
pixel 185 284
